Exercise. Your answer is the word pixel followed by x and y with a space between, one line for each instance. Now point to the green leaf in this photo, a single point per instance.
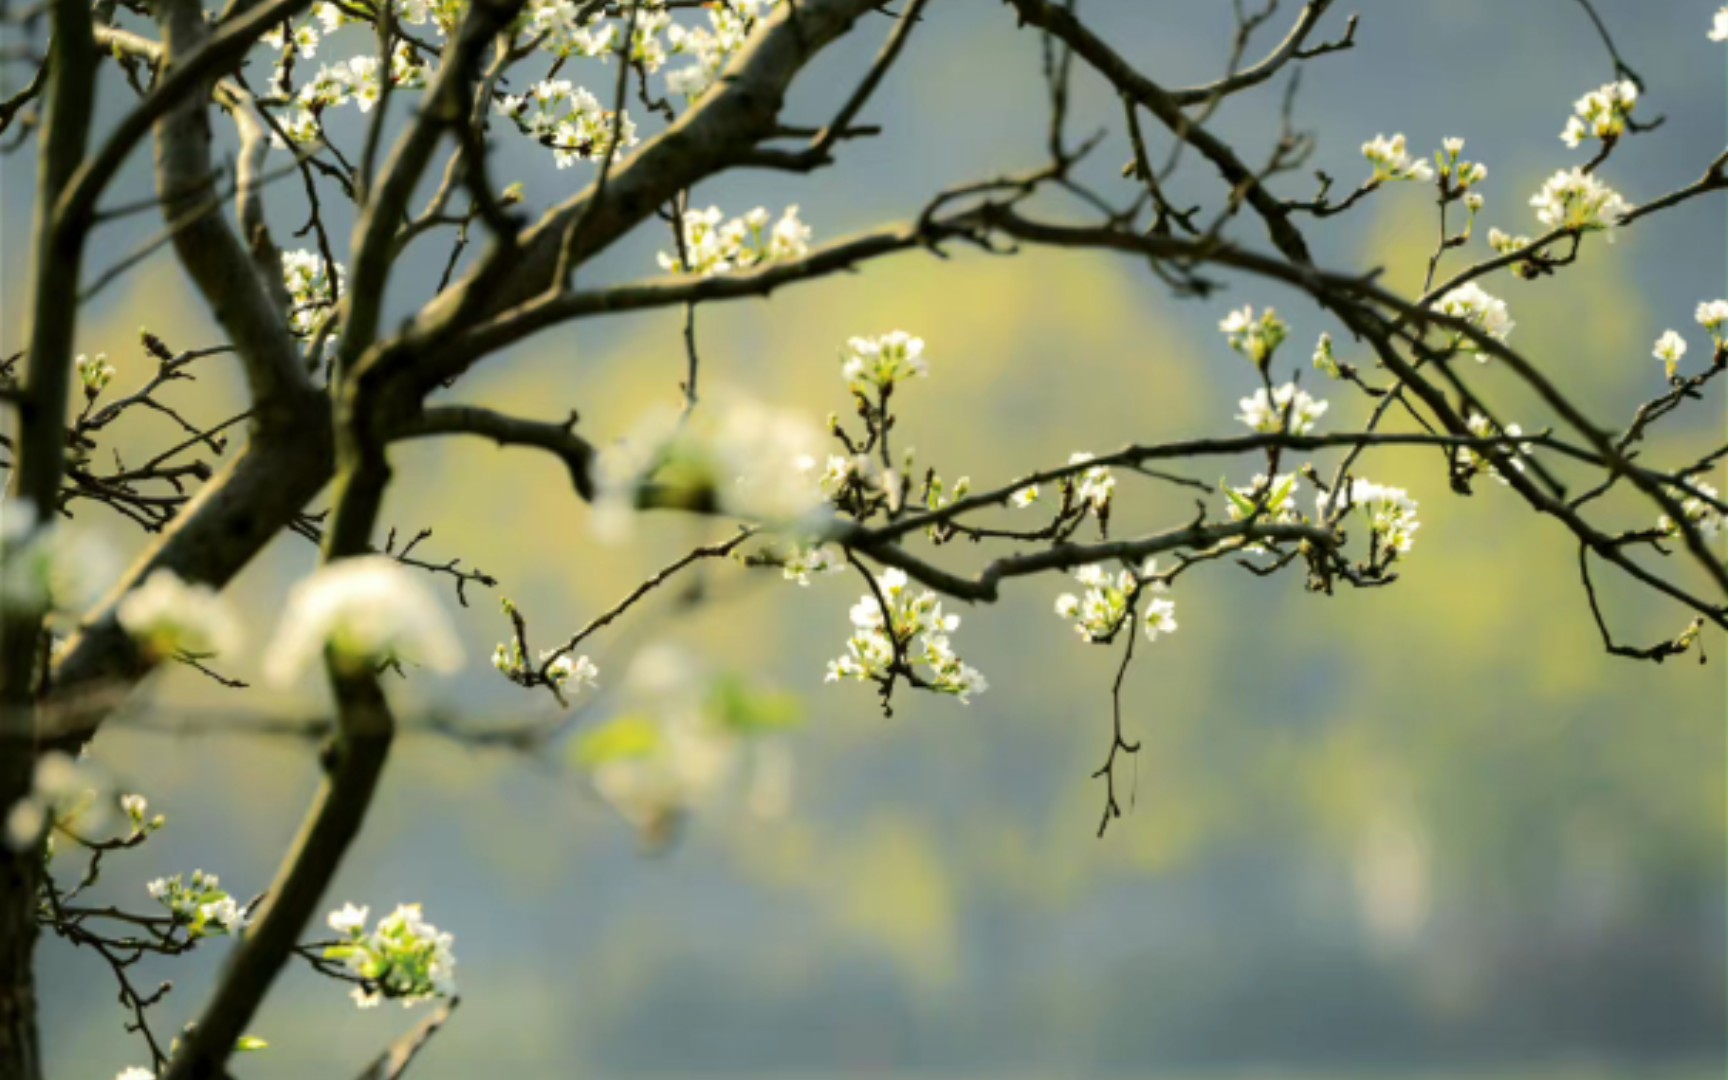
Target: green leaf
pixel 619 739
pixel 748 709
pixel 1244 505
pixel 246 1044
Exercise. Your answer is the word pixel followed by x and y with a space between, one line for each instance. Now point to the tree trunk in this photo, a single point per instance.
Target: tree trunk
pixel 20 1054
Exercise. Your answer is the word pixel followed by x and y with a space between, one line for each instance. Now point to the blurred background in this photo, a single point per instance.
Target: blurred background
pixel 1431 830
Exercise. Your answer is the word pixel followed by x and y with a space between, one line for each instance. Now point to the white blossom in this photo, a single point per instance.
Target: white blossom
pixel 1099 610
pixel 712 46
pixel 1464 174
pixel 47 566
pixel 135 1072
pixel 311 291
pixel 1574 199
pixel 63 789
pixel 1389 511
pixel 915 623
pixel 1487 313
pixel 134 806
pixel 715 244
pixel 1095 486
pixel 803 560
pixel 348 919
pixel 568 119
pixel 879 363
pixel 572 673
pixel 200 904
pixel 94 372
pixel 1257 338
pixel 404 957
pixel 1391 160
pixel 1160 615
pixel 166 616
pixel 738 456
pixel 1701 514
pixel 1670 347
pixel 1472 461
pixel 1719 25
pixel 1712 315
pixel 367 611
pixel 1267 413
pixel 1325 361
pixel 1024 497
pixel 1601 114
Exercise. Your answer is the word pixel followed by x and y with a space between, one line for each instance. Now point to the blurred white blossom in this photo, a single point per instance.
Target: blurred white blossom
pixel 166 616
pixel 367 611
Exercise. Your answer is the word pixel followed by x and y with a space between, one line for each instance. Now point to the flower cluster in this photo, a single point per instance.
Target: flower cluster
pixel 915 631
pixel 571 28
pixel 1286 408
pixel 714 244
pixel 1389 511
pixel 1391 161
pixel 1094 487
pixel 1471 304
pixel 803 560
pixel 292 42
pixel 842 474
pixel 1257 338
pixel 711 46
pixel 1462 175
pixel 879 363
pixel 573 674
pixel 1098 612
pixel 354 80
pixel 570 120
pixel 600 39
pixel 1459 178
pixel 311 289
pixel 166 616
pixel 137 810
pixel 1471 461
pixel 404 957
pixel 1575 200
pixel 94 372
pixel 1601 114
pixel 365 612
pixel 201 905
pixel 1702 514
